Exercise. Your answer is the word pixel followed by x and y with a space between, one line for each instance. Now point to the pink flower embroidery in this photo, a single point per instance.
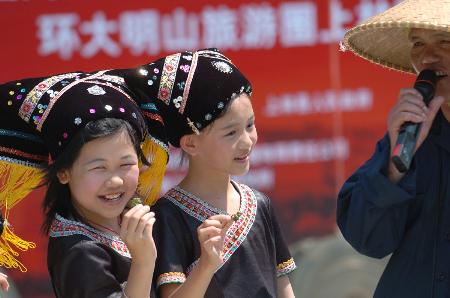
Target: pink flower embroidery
pixel 168 67
pixel 164 93
pixel 185 68
pixel 26 107
pixel 42 86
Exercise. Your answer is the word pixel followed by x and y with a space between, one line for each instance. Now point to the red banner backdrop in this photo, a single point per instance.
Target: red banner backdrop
pixel 318 110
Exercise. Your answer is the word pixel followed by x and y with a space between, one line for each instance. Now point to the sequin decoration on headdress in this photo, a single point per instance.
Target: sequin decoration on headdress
pixel 39 117
pixel 192 88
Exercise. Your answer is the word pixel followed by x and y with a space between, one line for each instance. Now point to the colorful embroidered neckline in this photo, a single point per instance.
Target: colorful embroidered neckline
pixel 201 210
pixel 62 227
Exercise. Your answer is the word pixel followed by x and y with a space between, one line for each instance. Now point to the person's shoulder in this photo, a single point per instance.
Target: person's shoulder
pixel 69 236
pixel 72 244
pixel 72 250
pixel 165 202
pixel 166 207
pixel 259 195
pixel 63 235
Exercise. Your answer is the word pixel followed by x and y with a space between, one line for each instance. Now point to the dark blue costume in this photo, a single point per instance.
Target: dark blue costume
pixel 410 219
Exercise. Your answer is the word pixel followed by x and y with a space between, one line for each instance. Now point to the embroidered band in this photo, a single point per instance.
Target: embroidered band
pixel 33 97
pixel 286 267
pixel 168 76
pixel 64 227
pixel 171 278
pixel 60 93
pixel 188 82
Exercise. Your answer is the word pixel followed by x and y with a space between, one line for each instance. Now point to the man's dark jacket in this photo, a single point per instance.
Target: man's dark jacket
pixel 410 219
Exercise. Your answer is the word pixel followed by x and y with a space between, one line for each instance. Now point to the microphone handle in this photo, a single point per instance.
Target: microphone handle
pixel 402 154
pixel 404 148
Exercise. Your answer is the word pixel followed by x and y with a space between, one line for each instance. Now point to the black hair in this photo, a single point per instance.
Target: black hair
pixel 57 198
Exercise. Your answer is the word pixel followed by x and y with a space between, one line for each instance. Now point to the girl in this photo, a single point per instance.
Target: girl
pixel 215 237
pixel 95 134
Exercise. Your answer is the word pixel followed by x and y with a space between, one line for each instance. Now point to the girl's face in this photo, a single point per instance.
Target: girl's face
pixel 103 178
pixel 226 145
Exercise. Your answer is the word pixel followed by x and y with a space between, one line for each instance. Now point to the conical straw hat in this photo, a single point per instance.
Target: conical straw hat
pixel 383 38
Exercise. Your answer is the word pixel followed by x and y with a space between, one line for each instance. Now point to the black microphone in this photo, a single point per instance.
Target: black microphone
pixel 409 131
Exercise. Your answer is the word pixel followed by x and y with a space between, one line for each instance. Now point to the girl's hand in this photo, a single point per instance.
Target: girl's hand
pixel 136 231
pixel 211 234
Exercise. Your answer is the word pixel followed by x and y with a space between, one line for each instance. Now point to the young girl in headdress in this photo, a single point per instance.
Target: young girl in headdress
pixel 97 136
pixel 215 237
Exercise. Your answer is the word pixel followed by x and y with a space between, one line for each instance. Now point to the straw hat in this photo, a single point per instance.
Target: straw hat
pixel 383 38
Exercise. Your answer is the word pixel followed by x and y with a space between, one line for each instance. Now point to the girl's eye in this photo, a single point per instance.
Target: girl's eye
pixel 127 165
pixel 231 133
pixel 250 125
pixel 417 44
pixel 98 168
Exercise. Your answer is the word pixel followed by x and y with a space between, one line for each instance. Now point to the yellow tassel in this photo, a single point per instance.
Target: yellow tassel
pixel 16 182
pixel 8 260
pixel 9 236
pixel 150 179
pixel 7 253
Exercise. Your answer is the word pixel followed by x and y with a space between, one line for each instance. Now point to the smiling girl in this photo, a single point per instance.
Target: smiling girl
pixel 96 134
pixel 215 237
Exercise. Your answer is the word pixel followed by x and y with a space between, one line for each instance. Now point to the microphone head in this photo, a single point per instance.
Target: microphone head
pixel 426 84
pixel 428 75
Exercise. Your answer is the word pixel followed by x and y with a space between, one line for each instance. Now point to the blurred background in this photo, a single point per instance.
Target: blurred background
pixel 319 110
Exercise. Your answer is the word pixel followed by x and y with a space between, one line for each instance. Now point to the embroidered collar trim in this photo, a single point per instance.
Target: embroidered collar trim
pixel 201 210
pixel 62 227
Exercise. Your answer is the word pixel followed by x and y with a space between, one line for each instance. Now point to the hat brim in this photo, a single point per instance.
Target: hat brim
pixel 383 39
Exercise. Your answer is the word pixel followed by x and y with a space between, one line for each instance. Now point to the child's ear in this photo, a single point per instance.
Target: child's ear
pixel 63 176
pixel 189 144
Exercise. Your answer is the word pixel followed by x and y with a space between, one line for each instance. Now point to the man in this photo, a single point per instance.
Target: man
pixel 380 210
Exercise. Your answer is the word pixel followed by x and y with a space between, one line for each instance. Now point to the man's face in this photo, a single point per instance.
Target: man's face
pixel 431 49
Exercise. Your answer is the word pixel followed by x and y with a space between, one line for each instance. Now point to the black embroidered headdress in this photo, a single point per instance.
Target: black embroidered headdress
pixel 191 88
